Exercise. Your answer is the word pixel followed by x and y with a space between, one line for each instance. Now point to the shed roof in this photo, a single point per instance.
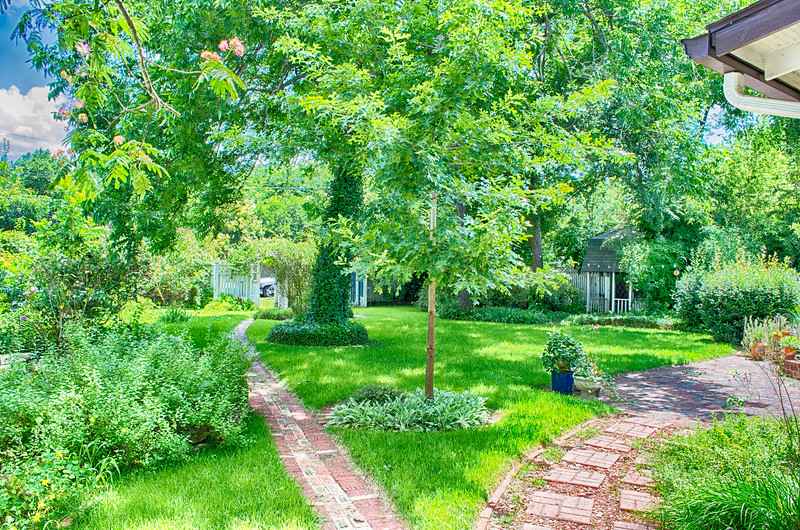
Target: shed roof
pixel 599 257
pixel 762 41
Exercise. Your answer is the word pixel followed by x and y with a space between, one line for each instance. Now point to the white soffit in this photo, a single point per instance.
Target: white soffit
pixel 777 55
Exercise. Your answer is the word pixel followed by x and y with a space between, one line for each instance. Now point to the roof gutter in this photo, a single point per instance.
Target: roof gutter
pixel 734 93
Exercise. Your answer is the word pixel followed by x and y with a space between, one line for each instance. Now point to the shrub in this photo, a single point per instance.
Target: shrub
pixel 718 300
pixel 113 400
pixel 227 302
pixel 413 412
pixel 562 353
pixel 274 313
pixel 173 315
pixel 312 334
pixel 505 315
pixel 733 476
pixel 376 394
pixel 632 320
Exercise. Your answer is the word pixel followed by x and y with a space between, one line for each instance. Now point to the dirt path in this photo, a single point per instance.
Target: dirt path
pixel 342 497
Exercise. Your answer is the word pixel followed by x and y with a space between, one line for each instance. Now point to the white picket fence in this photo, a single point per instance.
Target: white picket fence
pixel 245 286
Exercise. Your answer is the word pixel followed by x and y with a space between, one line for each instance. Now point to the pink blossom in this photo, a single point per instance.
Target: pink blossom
pixel 210 56
pixel 83 48
pixel 119 140
pixel 63 113
pixel 34 289
pixel 238 47
pixel 83 118
pixel 78 104
pixel 596 327
pixel 223 46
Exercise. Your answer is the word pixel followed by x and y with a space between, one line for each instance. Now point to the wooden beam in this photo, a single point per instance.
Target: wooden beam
pixel 782 61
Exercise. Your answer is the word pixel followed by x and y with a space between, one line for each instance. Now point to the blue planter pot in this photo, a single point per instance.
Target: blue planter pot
pixel 562 382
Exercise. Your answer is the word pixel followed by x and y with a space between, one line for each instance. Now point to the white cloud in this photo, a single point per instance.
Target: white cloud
pixel 27 121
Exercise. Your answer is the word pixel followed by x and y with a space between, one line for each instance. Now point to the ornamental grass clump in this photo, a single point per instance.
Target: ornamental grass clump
pixel 412 412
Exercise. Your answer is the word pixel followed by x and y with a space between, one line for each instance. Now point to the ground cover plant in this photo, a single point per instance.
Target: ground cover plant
pixel 441 479
pixel 737 475
pixel 112 401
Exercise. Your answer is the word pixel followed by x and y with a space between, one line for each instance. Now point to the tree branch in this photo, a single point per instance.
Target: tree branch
pixel 148 85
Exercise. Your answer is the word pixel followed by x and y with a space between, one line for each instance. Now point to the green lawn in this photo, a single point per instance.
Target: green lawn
pixel 234 488
pixel 440 480
pixel 244 488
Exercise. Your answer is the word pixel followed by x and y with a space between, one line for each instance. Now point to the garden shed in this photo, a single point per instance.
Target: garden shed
pixel 604 281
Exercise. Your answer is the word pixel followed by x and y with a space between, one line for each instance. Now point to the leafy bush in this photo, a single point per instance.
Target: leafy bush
pixel 733 476
pixel 653 267
pixel 227 302
pixel 112 400
pixel 666 321
pixel 376 394
pixel 173 315
pixel 413 412
pixel 718 300
pixel 274 313
pixel 311 334
pixel 562 353
pixel 505 315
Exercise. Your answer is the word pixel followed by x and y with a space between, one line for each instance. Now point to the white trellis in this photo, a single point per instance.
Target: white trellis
pixel 247 286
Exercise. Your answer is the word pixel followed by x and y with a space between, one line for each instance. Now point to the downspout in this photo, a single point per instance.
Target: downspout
pixel 734 93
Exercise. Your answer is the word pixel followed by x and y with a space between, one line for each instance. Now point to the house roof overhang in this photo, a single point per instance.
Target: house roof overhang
pixel 761 41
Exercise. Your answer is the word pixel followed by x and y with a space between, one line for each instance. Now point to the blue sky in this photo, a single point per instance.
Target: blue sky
pixel 26 115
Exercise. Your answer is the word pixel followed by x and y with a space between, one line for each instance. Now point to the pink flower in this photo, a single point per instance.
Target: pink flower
pixel 78 104
pixel 83 118
pixel 83 48
pixel 63 113
pixel 223 46
pixel 119 140
pixel 238 47
pixel 210 56
pixel 596 327
pixel 34 289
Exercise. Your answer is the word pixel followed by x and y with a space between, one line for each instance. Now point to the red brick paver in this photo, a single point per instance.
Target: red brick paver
pixel 636 478
pixel 622 525
pixel 343 499
pixel 561 507
pixel 637 501
pixel 576 477
pixel 588 457
pixel 608 442
pixel 634 430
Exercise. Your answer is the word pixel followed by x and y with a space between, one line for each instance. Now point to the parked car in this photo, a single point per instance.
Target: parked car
pixel 267 287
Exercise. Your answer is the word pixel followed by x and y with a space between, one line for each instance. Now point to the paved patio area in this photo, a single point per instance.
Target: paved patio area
pixel 699 390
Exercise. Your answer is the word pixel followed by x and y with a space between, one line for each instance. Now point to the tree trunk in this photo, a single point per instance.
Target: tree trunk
pixel 534 217
pixel 535 241
pixel 328 302
pixel 464 298
pixel 431 350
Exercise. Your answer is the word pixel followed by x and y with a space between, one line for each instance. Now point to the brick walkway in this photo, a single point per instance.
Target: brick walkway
pixel 342 497
pixel 595 479
pixel 699 390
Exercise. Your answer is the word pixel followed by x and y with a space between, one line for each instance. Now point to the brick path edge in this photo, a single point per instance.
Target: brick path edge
pixel 530 456
pixel 323 471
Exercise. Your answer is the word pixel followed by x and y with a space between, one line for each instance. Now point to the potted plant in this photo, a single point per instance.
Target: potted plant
pixel 789 345
pixel 589 379
pixel 757 335
pixel 562 354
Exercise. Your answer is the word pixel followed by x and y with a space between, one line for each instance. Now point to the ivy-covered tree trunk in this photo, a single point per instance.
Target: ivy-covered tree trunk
pixel 329 302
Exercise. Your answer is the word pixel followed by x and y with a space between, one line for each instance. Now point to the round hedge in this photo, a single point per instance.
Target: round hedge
pixel 717 301
pixel 313 334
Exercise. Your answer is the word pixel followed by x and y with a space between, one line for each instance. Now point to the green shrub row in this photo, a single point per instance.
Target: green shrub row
pixel 506 315
pixel 312 334
pixel 631 320
pixel 273 313
pixel 110 401
pixel 717 301
pixel 413 412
